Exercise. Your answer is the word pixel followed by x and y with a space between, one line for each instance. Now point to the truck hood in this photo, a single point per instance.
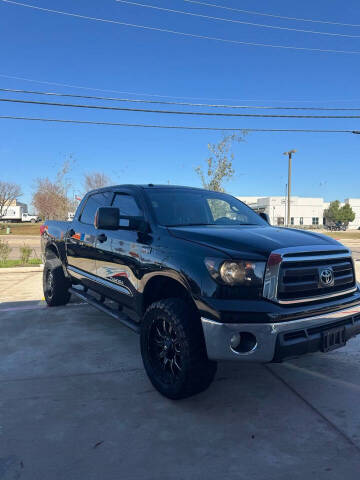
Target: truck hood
pixel 250 239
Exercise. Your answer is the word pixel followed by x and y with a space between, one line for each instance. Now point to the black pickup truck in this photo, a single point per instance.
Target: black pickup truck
pixel 202 278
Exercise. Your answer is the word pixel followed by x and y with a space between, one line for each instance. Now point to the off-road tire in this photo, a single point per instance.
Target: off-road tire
pixel 197 371
pixel 55 284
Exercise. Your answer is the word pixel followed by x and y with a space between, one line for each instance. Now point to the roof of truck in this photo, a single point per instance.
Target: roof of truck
pixel 148 186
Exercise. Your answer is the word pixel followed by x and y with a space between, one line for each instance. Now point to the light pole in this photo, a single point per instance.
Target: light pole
pixel 289 154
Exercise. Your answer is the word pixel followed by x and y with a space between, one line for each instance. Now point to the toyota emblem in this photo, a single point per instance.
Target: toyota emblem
pixel 327 277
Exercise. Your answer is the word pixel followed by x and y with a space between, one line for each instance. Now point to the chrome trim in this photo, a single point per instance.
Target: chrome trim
pixel 317 257
pixel 326 249
pixel 319 297
pixel 291 254
pixel 80 273
pixel 242 354
pixel 217 335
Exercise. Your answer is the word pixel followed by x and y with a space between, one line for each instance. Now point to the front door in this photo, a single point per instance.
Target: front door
pixel 119 255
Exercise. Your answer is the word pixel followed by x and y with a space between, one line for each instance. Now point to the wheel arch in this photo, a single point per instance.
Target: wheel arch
pixel 159 287
pixel 51 252
pixel 56 253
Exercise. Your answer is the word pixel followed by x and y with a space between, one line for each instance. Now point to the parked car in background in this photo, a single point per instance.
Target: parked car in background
pixel 336 227
pixel 202 278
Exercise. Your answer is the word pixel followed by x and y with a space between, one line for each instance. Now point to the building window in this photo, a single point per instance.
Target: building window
pixel 280 221
pixel 301 220
pixel 292 220
pixel 315 220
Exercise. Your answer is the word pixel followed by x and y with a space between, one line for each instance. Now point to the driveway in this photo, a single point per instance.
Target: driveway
pixel 76 404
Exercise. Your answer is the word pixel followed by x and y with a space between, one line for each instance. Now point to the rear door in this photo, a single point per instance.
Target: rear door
pixel 81 241
pixel 119 256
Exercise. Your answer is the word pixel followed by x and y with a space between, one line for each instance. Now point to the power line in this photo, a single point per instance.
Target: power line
pixel 177 127
pixel 157 95
pixel 184 34
pixel 161 102
pixel 252 12
pixel 241 22
pixel 174 112
pixel 56 94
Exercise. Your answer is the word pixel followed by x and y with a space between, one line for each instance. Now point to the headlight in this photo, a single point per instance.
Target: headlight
pixel 236 272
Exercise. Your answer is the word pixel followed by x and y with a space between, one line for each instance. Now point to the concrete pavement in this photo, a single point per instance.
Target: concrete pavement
pixel 20 286
pixel 76 404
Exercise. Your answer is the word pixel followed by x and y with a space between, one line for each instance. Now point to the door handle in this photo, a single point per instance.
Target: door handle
pixel 102 237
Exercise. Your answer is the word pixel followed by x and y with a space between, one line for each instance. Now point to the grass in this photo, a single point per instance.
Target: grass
pixel 21 228
pixel 349 235
pixel 17 263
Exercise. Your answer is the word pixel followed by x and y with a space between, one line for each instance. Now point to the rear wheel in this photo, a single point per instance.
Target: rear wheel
pixel 173 350
pixel 55 284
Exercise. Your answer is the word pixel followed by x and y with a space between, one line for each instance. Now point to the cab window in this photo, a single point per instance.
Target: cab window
pixel 127 205
pixel 95 201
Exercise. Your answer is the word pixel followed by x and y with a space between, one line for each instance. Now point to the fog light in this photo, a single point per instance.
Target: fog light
pixel 235 340
pixel 243 342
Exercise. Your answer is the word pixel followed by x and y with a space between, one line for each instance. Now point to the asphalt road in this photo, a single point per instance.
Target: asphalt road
pixel 76 404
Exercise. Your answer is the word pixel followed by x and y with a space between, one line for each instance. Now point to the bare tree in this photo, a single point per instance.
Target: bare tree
pixel 95 180
pixel 220 163
pixel 9 193
pixel 51 198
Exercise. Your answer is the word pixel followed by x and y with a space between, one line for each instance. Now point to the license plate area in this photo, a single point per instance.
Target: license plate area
pixel 333 338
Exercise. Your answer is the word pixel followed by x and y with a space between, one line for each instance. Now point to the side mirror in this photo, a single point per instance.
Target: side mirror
pixel 107 218
pixel 265 217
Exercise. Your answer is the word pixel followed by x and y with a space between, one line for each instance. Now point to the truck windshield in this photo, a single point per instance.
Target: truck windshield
pixel 177 207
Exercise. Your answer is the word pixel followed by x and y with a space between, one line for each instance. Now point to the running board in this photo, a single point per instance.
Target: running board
pixel 105 309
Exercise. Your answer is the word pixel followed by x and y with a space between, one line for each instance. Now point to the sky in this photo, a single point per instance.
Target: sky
pixel 114 60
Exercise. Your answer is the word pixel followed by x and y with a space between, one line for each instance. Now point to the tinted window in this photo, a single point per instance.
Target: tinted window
pixel 92 204
pixel 127 205
pixel 191 207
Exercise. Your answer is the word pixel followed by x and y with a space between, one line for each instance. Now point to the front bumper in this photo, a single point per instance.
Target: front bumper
pixel 276 341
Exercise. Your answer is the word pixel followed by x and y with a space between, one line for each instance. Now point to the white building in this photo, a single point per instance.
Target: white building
pixel 355 205
pixel 304 211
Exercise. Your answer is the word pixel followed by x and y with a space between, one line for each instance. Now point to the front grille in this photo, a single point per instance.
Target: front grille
pixel 301 280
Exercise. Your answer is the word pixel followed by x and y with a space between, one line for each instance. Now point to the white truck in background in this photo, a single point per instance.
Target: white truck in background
pixel 18 213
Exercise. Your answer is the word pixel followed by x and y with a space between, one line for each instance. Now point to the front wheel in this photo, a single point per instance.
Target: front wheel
pixel 173 349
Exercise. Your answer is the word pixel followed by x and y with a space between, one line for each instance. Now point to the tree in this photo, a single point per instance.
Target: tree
pixel 335 213
pixel 9 193
pixel 51 198
pixel 347 214
pixel 220 163
pixel 95 180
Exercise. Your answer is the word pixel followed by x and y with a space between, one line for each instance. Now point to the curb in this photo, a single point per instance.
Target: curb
pixel 39 268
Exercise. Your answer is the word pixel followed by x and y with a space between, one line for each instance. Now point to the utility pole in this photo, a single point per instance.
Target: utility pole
pixel 289 154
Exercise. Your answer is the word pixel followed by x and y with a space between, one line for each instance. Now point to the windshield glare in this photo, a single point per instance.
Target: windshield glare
pixel 190 207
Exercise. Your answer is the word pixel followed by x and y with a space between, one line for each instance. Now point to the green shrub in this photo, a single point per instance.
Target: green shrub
pixel 5 250
pixel 25 254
